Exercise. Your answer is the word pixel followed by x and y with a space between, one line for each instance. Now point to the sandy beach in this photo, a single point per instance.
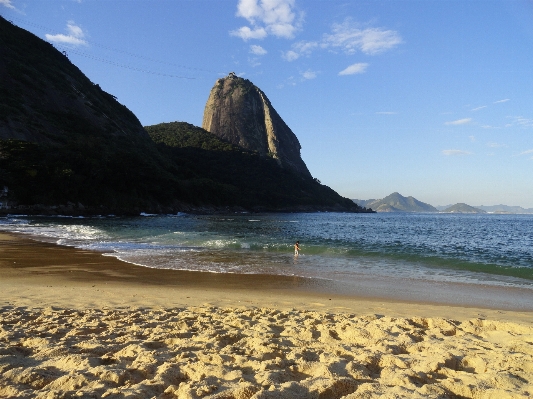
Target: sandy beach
pixel 79 324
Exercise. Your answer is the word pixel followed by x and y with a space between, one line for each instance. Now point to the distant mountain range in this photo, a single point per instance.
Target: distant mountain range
pixel 496 208
pixel 396 202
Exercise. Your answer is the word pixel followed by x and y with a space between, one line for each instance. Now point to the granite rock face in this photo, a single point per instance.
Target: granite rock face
pixel 239 112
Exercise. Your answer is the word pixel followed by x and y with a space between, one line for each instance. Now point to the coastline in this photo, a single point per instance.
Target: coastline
pixel 94 278
pixel 247 335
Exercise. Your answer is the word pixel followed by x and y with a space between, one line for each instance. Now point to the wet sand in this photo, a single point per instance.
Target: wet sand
pixel 77 323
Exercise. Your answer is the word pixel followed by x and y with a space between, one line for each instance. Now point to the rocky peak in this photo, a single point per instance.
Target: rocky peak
pixel 239 112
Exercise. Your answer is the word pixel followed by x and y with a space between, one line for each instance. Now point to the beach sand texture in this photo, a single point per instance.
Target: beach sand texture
pixel 76 324
pixel 210 352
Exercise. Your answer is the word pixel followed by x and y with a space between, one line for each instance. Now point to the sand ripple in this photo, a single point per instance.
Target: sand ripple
pixel 241 353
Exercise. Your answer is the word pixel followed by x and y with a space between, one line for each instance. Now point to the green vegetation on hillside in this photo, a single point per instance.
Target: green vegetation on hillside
pixel 244 178
pixel 182 135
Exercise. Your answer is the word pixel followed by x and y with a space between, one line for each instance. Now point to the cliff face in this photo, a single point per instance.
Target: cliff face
pixel 239 112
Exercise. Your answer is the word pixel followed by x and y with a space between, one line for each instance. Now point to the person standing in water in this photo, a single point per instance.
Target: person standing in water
pixel 297 248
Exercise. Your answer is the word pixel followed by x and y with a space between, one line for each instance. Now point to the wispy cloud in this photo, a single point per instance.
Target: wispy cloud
pixel 257 50
pixel 527 152
pixel 300 49
pixel 455 152
pixel 309 74
pixel 472 138
pixel 478 108
pixel 463 121
pixel 246 33
pixel 495 145
pixel 353 69
pixel 351 38
pixel 291 55
pixel 267 17
pixel 386 113
pixel 8 4
pixel 502 101
pixel 524 122
pixel 254 62
pixel 75 36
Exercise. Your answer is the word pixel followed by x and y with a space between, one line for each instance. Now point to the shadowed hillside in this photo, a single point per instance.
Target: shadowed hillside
pixel 243 177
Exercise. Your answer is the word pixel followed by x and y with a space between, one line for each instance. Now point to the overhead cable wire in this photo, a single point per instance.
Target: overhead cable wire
pixel 44 28
pixel 68 50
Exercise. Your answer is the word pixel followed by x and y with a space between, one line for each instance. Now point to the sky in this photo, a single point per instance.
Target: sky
pixel 431 99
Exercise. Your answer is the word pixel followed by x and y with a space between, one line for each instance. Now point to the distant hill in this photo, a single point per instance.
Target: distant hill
pixel 396 202
pixel 505 209
pixel 462 208
pixel 363 203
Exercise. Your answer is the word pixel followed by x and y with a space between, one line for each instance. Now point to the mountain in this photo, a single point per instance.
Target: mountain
pixel 239 112
pixel 65 142
pixel 462 208
pixel 68 147
pixel 505 209
pixel 363 203
pixel 396 202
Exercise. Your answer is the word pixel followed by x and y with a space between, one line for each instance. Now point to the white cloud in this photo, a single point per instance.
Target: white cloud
pixel 502 101
pixel 520 121
pixel 351 39
pixel 455 152
pixel 495 145
pixel 472 138
pixel 267 17
pixel 7 3
pixel 526 152
pixel 387 113
pixel 353 69
pixel 254 62
pixel 524 122
pixel 257 50
pixel 478 108
pixel 75 36
pixel 459 121
pixel 291 55
pixel 305 48
pixel 245 33
pixel 309 74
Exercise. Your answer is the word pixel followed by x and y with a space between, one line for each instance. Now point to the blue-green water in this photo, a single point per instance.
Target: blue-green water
pixel 480 250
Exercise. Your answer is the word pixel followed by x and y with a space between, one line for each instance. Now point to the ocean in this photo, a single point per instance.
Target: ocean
pixel 452 258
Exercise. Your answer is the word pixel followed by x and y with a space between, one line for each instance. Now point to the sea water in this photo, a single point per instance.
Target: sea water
pixel 383 251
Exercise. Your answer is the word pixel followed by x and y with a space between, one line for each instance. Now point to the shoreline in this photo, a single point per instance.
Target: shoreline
pixel 75 323
pixel 60 264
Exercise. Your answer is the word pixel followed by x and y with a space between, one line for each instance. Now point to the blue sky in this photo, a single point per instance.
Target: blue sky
pixel 432 99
